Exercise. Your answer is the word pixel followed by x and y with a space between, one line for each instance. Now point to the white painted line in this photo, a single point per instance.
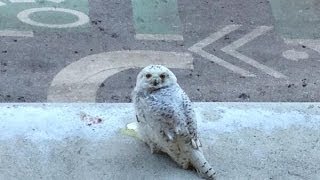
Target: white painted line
pixel 225 64
pixel 248 37
pixel 197 48
pixel 2 3
pixel 80 81
pixel 295 55
pixel 16 33
pixel 158 37
pixel 292 41
pixel 256 64
pixel 24 16
pixel 22 1
pixel 232 50
pixel 214 37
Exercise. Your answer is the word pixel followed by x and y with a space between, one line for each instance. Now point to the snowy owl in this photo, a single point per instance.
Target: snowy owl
pixel 166 119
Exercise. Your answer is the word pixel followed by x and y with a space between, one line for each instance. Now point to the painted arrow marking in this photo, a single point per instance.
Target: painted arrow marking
pixel 2 3
pixel 232 50
pixel 198 49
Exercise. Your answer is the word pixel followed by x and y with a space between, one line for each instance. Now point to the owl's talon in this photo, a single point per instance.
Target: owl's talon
pixel 154 148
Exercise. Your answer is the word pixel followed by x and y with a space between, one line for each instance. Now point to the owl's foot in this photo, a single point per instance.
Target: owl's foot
pixel 154 148
pixel 185 165
pixel 167 135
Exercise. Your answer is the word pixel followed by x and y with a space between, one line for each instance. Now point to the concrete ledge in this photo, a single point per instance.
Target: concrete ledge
pixel 85 141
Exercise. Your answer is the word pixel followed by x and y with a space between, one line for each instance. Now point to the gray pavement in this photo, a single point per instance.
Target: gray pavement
pixel 90 141
pixel 29 64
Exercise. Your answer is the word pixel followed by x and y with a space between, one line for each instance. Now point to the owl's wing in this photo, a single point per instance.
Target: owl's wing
pixel 190 120
pixel 140 106
pixel 177 119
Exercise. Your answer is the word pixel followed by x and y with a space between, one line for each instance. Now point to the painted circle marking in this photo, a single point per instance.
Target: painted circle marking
pixel 295 55
pixel 24 16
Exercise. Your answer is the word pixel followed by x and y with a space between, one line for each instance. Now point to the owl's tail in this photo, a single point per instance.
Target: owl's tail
pixel 202 166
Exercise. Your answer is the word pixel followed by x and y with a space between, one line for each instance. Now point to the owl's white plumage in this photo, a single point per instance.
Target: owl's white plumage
pixel 166 119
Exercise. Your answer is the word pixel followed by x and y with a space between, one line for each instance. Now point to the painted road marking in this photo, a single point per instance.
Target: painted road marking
pixel 156 37
pixel 2 3
pixel 313 44
pixel 16 33
pixel 232 50
pixel 80 81
pixel 157 20
pixel 198 49
pixel 44 15
pixel 24 16
pixel 214 37
pixel 295 55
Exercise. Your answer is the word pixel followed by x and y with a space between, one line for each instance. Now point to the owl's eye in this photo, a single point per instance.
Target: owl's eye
pixel 148 76
pixel 162 76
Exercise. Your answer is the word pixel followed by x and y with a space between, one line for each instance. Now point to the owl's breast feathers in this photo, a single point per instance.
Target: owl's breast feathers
pixel 171 108
pixel 167 101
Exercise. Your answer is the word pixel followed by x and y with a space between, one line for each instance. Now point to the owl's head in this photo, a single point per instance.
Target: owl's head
pixel 154 77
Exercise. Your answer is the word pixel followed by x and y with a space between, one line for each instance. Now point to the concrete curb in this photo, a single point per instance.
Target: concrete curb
pixel 88 141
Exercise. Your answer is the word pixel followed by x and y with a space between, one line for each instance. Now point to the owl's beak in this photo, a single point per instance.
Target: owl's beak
pixel 156 82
